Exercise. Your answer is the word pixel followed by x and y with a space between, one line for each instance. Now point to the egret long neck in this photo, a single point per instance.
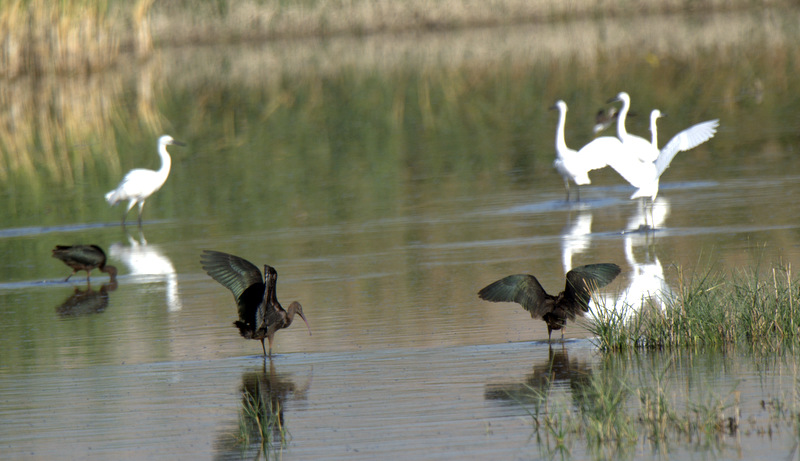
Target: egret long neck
pixel 561 144
pixel 654 130
pixel 623 112
pixel 166 161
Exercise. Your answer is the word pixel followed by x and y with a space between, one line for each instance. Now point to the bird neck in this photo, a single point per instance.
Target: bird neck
pixel 623 112
pixel 111 271
pixel 654 131
pixel 561 144
pixel 166 160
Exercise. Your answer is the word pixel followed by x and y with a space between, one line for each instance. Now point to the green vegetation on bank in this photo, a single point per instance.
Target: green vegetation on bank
pixel 710 309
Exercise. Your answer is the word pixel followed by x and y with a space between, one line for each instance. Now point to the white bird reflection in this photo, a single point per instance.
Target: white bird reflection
pixel 647 284
pixel 147 260
pixel 576 238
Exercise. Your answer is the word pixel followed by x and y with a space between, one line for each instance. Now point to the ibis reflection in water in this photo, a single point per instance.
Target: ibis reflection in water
pixel 260 313
pixel 88 301
pixel 84 258
pixel 141 183
pixel 553 310
pixel 557 370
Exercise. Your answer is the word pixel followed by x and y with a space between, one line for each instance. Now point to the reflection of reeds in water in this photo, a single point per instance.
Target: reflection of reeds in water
pixel 64 37
pixel 262 419
pixel 57 130
pixel 609 411
pixel 62 131
pixel 261 422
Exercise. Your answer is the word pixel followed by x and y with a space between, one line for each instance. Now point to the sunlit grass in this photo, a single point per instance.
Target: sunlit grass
pixel 710 309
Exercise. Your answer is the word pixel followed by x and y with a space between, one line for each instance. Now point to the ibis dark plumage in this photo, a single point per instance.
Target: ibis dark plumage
pixel 554 310
pixel 260 313
pixel 84 258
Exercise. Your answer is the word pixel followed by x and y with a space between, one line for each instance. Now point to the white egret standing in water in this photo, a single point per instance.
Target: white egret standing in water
pixel 139 184
pixel 645 175
pixel 575 165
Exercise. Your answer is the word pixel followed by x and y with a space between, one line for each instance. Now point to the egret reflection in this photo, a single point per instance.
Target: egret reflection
pixel 86 302
pixel 647 285
pixel 148 263
pixel 576 238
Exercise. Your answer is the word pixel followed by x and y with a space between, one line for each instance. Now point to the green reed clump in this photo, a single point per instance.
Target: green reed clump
pixel 610 414
pixel 261 419
pixel 601 404
pixel 711 309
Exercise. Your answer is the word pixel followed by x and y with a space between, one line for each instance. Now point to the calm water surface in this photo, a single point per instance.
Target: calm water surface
pixel 386 195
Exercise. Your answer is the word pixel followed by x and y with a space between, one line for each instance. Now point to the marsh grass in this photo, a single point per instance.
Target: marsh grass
pixel 709 309
pixel 260 421
pixel 614 415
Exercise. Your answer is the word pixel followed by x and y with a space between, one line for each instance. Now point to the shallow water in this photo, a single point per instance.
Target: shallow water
pixel 384 214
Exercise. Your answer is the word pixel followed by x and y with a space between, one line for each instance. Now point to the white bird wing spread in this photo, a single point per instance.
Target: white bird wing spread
pixel 633 170
pixel 596 154
pixel 685 140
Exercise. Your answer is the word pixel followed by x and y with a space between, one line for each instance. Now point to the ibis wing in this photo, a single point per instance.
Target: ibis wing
pixel 236 274
pixel 581 281
pixel 685 140
pixel 87 255
pixel 520 288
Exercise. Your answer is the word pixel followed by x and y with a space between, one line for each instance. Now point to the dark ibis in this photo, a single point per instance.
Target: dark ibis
pixel 141 183
pixel 554 310
pixel 260 313
pixel 604 119
pixel 84 258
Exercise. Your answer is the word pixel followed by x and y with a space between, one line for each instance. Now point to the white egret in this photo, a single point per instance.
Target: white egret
pixel 645 175
pixel 139 184
pixel 633 144
pixel 575 165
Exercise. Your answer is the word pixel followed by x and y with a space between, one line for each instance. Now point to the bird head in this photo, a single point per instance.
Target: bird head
pixel 167 140
pixel 620 97
pixel 296 308
pixel 560 105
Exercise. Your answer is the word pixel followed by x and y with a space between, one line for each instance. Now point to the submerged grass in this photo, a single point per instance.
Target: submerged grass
pixel 613 415
pixel 261 422
pixel 709 309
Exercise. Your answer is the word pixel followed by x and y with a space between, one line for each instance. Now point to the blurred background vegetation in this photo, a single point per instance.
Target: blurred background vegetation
pixel 88 86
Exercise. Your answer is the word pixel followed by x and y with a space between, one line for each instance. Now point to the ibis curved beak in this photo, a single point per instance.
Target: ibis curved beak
pixel 307 325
